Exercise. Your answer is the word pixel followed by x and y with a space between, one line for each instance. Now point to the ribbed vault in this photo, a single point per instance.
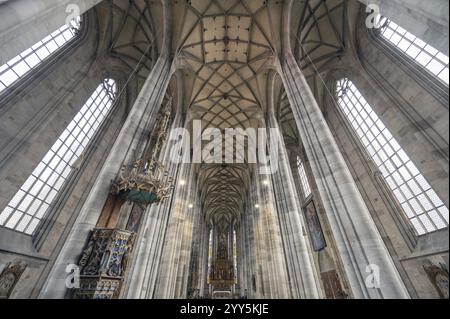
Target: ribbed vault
pixel 320 38
pixel 129 33
pixel 320 31
pixel 223 192
pixel 226 46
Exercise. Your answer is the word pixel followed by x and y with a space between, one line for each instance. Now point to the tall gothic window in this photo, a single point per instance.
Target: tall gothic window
pixel 430 58
pixel 303 178
pixel 31 202
pixel 419 201
pixel 19 66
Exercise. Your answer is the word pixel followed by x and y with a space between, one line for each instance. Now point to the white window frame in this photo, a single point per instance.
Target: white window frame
pixel 21 65
pixel 434 61
pixel 420 203
pixel 31 203
pixel 306 188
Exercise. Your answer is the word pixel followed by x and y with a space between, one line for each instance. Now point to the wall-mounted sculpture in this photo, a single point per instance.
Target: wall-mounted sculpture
pixel 103 263
pixel 9 277
pixel 439 277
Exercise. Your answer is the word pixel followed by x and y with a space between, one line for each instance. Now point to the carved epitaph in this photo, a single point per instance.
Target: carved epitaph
pixel 103 263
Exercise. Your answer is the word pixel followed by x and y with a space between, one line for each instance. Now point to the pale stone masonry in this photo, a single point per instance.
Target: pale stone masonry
pixel 225 230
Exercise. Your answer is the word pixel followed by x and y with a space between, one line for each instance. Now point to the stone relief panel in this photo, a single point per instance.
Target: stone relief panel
pixel 103 263
pixel 439 277
pixel 9 278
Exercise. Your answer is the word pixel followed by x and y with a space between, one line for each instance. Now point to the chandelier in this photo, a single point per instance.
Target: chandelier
pixel 147 181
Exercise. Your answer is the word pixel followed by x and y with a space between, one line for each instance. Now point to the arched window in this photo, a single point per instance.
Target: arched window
pixel 303 178
pixel 419 201
pixel 430 58
pixel 31 202
pixel 19 66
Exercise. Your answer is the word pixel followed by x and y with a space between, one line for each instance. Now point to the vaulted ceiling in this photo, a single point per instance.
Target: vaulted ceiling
pixel 224 48
pixel 129 34
pixel 223 192
pixel 226 45
pixel 320 32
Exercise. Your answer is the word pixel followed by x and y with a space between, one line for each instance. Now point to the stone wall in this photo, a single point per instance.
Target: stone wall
pixel 33 113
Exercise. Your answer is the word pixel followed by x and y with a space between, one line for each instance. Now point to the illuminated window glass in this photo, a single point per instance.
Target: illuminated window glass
pixel 32 201
pixel 430 58
pixel 419 201
pixel 20 65
pixel 303 179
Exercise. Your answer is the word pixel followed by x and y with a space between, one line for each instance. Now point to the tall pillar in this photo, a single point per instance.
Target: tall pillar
pixel 255 241
pixel 359 243
pixel 128 146
pixel 179 232
pixel 197 251
pixel 268 241
pixel 25 22
pixel 191 215
pixel 427 20
pixel 203 259
pixel 248 244
pixel 302 276
pixel 143 270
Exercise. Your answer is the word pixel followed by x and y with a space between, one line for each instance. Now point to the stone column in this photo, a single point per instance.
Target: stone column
pixel 25 22
pixel 179 231
pixel 203 259
pixel 427 20
pixel 268 240
pixel 128 146
pixel 248 245
pixel 302 277
pixel 143 270
pixel 183 260
pixel 358 240
pixel 197 251
pixel 255 242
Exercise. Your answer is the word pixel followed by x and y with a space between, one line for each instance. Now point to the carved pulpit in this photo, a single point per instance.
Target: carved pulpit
pixel 104 260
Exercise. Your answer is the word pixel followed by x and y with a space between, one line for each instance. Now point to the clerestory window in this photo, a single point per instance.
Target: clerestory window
pixel 19 66
pixel 430 58
pixel 419 201
pixel 303 178
pixel 30 204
